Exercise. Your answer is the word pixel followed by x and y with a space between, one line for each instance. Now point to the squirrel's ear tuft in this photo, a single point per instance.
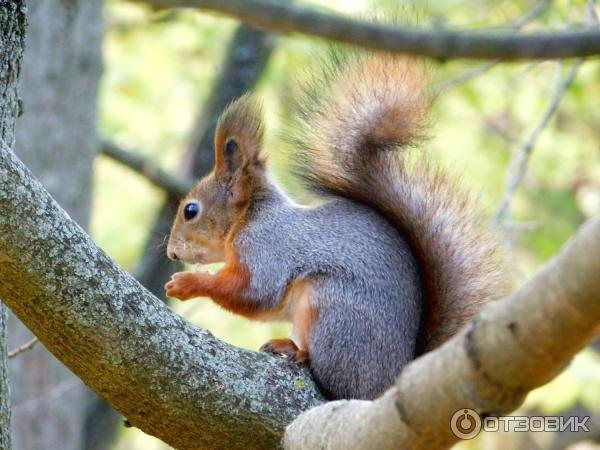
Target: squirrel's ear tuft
pixel 239 137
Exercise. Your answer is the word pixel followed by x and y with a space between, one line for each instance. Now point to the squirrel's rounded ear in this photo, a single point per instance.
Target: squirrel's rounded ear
pixel 239 137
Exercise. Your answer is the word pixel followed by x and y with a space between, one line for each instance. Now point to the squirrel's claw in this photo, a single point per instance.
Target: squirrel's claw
pixel 286 347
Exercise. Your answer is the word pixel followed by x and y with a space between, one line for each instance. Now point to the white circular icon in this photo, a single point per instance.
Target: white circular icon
pixel 465 424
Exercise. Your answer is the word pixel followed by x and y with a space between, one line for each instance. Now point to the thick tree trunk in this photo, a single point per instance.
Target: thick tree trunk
pixel 56 138
pixel 12 33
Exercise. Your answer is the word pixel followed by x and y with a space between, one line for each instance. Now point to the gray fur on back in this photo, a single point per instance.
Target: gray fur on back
pixel 367 287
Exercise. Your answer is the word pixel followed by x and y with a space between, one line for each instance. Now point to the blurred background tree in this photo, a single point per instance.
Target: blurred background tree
pixel 164 79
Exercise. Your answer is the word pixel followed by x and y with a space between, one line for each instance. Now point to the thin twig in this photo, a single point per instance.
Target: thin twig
pixel 466 76
pixel 140 164
pixel 529 225
pixel 519 163
pixel 23 348
pixel 440 44
pixel 475 71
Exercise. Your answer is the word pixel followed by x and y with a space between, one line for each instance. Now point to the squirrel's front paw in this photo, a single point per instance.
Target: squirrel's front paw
pixel 183 285
pixel 286 347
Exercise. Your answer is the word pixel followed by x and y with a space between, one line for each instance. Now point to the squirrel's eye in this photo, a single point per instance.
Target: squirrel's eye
pixel 191 210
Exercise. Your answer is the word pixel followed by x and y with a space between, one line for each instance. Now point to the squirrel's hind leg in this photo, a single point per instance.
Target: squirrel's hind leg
pixel 299 299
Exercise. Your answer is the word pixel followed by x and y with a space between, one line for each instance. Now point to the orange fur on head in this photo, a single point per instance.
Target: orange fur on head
pixel 224 194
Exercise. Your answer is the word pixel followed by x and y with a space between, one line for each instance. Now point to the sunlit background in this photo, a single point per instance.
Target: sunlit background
pixel 160 67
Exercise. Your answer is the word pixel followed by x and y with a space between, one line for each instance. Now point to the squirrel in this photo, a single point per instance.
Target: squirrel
pixel 389 266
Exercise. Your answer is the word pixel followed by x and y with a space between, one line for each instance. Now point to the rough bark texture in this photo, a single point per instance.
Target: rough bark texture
pixel 13 23
pixel 246 57
pixel 56 138
pixel 513 346
pixel 169 378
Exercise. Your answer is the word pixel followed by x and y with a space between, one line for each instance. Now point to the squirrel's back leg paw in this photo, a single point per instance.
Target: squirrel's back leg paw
pixel 288 348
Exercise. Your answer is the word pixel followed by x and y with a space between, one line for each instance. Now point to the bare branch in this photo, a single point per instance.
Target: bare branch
pixel 466 76
pixel 174 186
pixel 23 348
pixel 519 163
pixel 535 12
pixel 440 44
pixel 169 378
pixel 511 347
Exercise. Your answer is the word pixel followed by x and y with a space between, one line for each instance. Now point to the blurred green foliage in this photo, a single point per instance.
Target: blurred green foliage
pixel 159 68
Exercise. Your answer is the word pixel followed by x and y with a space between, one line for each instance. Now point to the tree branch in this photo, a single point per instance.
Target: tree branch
pixel 513 346
pixel 440 44
pixel 519 163
pixel 23 348
pixel 169 378
pixel 446 85
pixel 174 186
pixel 535 12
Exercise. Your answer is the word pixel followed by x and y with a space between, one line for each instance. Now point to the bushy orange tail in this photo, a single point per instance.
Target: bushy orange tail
pixel 359 118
